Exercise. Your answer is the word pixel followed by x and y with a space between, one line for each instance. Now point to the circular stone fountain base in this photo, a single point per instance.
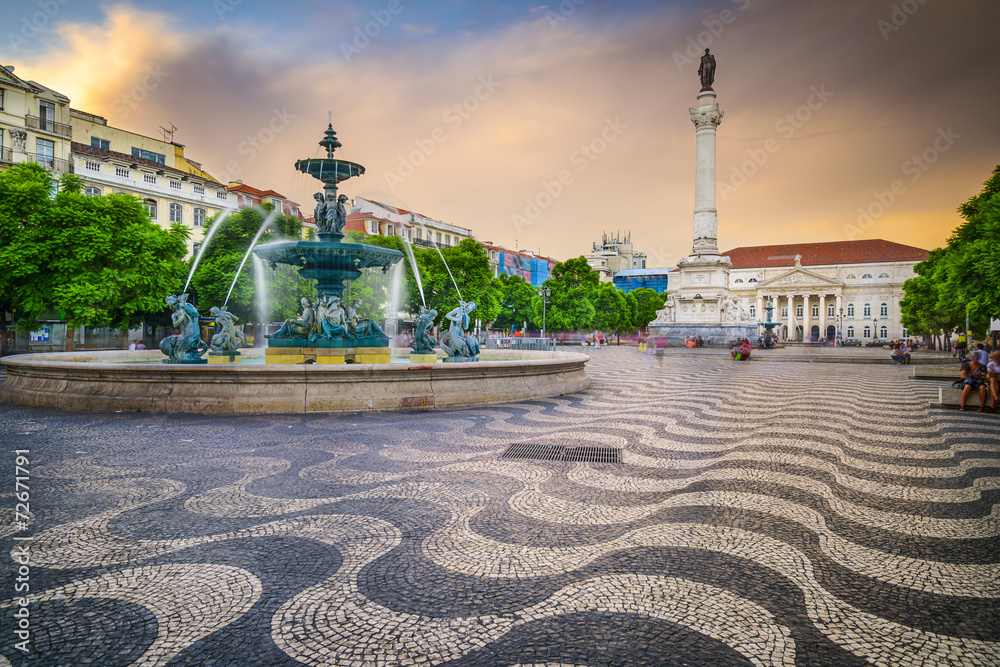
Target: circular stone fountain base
pixel 128 381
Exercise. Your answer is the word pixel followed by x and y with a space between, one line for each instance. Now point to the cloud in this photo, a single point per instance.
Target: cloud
pixel 555 93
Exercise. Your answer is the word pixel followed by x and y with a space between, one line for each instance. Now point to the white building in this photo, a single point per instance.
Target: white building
pixel 372 217
pixel 819 289
pixel 615 254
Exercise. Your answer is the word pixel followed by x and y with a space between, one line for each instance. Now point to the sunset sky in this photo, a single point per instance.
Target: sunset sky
pixel 468 111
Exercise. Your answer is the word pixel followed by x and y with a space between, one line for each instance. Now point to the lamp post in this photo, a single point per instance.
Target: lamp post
pixel 546 293
pixel 874 329
pixel 840 330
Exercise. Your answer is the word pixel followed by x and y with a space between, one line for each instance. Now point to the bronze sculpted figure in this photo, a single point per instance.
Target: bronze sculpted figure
pixel 319 214
pixel 707 70
pixel 340 219
pixel 187 346
pixel 227 338
pixel 297 327
pixel 423 342
pixel 361 327
pixel 458 345
pixel 330 319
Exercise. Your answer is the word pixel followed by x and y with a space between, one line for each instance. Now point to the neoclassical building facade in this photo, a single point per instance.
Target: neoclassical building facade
pixel 847 289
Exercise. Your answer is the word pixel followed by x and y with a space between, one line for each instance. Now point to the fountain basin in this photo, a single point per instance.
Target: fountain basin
pixel 126 381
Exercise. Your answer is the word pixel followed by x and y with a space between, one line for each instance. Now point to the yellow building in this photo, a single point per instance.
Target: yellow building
pixel 172 187
pixel 34 124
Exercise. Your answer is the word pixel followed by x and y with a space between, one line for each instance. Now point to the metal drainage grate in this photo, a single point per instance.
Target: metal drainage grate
pixel 530 450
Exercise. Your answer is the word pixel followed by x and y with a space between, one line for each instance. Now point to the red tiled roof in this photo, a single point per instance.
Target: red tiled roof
pixel 871 251
pixel 246 189
pixel 101 153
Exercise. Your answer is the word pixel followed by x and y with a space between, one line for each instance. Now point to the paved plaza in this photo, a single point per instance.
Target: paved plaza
pixel 763 514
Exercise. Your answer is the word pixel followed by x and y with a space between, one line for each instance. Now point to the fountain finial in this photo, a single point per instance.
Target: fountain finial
pixel 330 141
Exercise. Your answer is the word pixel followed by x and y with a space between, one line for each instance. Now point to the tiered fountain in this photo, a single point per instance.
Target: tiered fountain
pixel 306 367
pixel 329 333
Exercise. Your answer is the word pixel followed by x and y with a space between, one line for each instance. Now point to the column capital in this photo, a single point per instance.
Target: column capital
pixel 704 118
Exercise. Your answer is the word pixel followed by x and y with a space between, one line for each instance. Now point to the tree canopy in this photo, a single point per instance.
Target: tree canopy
pixel 517 303
pixel 98 260
pixel 221 259
pixel 964 276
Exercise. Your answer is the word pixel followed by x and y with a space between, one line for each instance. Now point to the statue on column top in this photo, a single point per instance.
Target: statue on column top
pixel 707 70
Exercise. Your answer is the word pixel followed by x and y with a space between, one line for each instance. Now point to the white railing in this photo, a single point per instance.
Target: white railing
pixel 538 344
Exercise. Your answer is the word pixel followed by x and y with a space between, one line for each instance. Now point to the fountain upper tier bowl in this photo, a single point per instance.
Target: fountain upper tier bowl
pixel 328 261
pixel 329 170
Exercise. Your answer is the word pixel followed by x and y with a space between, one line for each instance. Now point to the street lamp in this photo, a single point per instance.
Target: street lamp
pixel 840 331
pixel 546 293
pixel 874 328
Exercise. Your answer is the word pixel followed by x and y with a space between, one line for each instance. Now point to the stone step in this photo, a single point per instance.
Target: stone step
pixel 949 372
pixel 948 397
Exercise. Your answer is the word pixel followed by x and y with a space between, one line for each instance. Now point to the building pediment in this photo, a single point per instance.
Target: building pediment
pixel 799 277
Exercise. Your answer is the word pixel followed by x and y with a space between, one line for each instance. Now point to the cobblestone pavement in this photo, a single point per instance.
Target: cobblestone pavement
pixel 763 514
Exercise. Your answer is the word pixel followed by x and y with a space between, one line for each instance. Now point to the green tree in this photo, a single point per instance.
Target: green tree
pixel 963 278
pixel 610 308
pixel 573 282
pixel 99 260
pixel 647 302
pixel 471 269
pixel 517 298
pixel 214 275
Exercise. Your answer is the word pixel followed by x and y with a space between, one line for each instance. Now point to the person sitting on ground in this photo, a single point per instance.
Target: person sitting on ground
pixel 742 352
pixel 139 345
pixel 974 379
pixel 131 347
pixel 689 342
pixel 905 350
pixel 993 371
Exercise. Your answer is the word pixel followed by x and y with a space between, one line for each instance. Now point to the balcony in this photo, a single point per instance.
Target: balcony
pixel 57 165
pixel 6 156
pixel 46 125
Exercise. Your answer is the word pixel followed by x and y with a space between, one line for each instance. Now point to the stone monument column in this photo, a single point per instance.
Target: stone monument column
pixel 706 118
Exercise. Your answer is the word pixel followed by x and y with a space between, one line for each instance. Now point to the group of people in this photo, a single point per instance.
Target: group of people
pixel 328 319
pixel 981 373
pixel 691 342
pixel 900 353
pixel 740 349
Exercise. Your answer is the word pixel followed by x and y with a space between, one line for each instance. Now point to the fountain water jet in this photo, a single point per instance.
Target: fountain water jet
pixel 413 265
pixel 260 232
pixel 204 244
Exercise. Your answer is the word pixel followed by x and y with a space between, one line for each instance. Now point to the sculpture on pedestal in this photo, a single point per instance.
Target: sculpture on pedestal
pixel 299 327
pixel 330 320
pixel 706 70
pixel 187 346
pixel 227 338
pixel 455 342
pixel 423 342
pixel 358 326
pixel 667 314
pixel 319 213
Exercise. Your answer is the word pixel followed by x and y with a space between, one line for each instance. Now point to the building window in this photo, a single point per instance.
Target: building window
pixel 752 280
pixel 784 312
pixel 420 235
pixel 738 280
pixel 46 150
pixel 149 178
pixel 195 248
pixel 199 189
pixel 798 310
pixel 868 332
pixel 753 311
pixel 850 276
pixel 150 205
pixel 883 310
pixel 867 276
pixel 815 310
pixel 829 311
pixel 438 237
pixel 1 99
pixel 868 310
pixel 149 155
pixel 175 212
pixel 883 332
pixel 850 310
pixel 97 142
pixel 905 333
pixel 92 191
pixel 47 116
pixel 883 275
pixel 199 217
pixel 850 332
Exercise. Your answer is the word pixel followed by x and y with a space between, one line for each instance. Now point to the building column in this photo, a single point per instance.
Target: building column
pixel 806 321
pixel 791 317
pixel 761 315
pixel 822 316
